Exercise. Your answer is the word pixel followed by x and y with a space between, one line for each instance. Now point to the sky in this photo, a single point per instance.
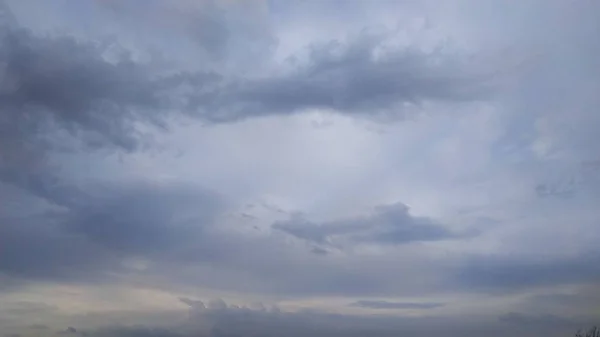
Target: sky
pixel 290 168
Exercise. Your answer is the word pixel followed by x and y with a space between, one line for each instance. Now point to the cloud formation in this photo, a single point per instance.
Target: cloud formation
pixel 84 89
pixel 265 153
pixel 513 274
pixel 389 224
pixel 395 305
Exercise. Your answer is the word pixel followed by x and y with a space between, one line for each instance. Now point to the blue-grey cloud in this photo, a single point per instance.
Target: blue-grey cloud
pixel 147 218
pixel 172 226
pixel 319 251
pixel 64 83
pixel 62 95
pixel 389 224
pixel 509 274
pixel 346 77
pixel 70 84
pixel 539 320
pixel 86 237
pixel 396 305
pixel 32 246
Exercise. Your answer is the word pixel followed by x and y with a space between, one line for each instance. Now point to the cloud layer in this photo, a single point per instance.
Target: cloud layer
pixel 323 168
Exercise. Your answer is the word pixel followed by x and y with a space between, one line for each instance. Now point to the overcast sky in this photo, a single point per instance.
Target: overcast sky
pixel 292 168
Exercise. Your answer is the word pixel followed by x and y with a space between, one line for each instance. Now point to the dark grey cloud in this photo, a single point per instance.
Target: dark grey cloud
pixel 88 236
pixel 146 218
pixel 60 93
pixel 539 320
pixel 543 324
pixel 389 224
pixel 343 75
pixel 509 274
pixel 347 78
pixel 32 245
pixel 39 252
pixel 396 305
pixel 68 83
pixel 584 299
pixel 61 82
pixel 319 251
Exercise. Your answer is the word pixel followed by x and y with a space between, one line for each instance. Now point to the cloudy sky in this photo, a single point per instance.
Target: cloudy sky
pixel 291 168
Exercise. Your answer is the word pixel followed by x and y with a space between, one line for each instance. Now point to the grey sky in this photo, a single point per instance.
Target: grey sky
pixel 326 167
